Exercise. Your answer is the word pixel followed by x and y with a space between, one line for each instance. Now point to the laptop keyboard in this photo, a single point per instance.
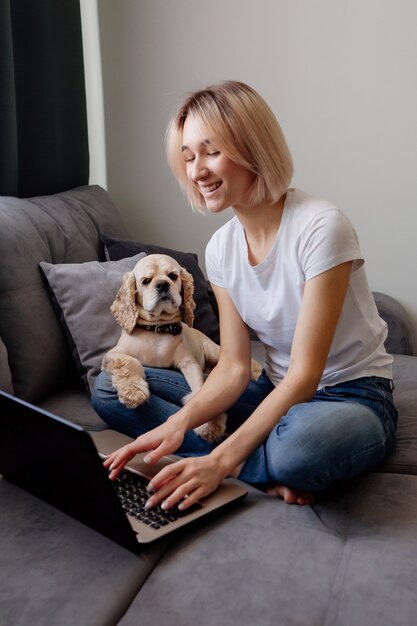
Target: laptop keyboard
pixel 131 490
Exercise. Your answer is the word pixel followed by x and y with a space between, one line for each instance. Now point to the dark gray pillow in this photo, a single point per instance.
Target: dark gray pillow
pixel 204 317
pixel 82 296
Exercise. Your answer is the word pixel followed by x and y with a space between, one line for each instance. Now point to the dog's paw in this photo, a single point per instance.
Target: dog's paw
pixel 256 369
pixel 190 395
pixel 133 393
pixel 214 430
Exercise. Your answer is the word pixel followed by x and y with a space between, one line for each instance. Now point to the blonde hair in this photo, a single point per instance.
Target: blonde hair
pixel 245 129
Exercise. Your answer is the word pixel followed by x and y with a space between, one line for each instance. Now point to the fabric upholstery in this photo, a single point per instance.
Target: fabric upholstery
pixel 204 317
pixel 83 294
pixel 63 228
pixel 54 570
pixel 349 559
pixel 73 403
pixel 399 340
pixel 403 460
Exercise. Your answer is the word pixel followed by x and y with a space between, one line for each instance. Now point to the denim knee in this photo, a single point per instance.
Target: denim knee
pixel 317 443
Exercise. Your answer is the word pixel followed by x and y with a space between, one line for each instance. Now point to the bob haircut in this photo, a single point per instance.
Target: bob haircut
pixel 247 132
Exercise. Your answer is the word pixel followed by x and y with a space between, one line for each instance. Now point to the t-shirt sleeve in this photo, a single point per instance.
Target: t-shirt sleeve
pixel 213 262
pixel 329 241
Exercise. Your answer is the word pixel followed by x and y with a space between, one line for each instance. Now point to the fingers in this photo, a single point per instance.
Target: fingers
pixel 169 444
pixel 118 459
pixel 180 480
pixel 167 473
pixel 155 455
pixel 168 495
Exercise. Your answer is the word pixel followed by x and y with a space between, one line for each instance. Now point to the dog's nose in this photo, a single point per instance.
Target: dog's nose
pixel 162 286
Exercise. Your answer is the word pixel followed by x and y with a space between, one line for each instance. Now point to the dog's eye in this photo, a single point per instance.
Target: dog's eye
pixel 173 276
pixel 146 281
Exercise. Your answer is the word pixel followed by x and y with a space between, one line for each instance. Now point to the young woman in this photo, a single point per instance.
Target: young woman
pixel 288 266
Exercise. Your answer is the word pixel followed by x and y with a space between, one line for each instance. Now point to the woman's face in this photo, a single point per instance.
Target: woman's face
pixel 220 181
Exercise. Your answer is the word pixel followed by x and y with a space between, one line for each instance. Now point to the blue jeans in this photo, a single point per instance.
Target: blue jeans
pixel 343 431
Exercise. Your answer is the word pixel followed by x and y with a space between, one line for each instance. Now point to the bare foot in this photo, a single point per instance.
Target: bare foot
pixel 291 496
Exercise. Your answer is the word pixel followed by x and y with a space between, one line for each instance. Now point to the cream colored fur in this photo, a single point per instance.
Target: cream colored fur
pixel 140 301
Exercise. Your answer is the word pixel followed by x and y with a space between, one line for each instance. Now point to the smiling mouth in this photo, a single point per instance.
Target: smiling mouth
pixel 210 188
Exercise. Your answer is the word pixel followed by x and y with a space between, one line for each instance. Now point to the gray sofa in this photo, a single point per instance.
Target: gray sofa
pixel 351 559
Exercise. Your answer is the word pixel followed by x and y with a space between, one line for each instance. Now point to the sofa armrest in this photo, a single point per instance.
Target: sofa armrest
pixel 399 340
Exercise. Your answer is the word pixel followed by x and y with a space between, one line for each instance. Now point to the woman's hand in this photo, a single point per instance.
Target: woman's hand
pixel 165 439
pixel 191 478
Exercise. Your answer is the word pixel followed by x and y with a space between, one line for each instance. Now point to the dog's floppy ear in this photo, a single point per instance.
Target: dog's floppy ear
pixel 124 307
pixel 188 304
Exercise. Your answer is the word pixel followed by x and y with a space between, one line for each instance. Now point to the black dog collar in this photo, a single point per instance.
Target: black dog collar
pixel 168 329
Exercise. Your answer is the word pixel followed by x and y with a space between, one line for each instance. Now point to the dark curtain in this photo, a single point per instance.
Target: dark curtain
pixel 43 118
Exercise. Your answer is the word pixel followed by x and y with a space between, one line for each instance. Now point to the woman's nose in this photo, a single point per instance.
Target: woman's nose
pixel 199 170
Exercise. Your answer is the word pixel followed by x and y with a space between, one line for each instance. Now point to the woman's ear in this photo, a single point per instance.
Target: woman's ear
pixel 188 304
pixel 124 308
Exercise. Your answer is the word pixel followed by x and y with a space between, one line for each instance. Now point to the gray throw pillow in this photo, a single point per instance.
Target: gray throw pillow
pixel 205 319
pixel 82 294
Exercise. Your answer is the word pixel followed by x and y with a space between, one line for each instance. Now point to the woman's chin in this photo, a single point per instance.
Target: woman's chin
pixel 215 207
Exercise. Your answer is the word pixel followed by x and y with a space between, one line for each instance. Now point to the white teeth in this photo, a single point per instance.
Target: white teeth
pixel 209 188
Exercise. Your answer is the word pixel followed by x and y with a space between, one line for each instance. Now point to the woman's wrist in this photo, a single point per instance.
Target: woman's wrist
pixel 225 459
pixel 181 419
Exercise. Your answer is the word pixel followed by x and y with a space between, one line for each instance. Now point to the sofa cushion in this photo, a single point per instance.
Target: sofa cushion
pixel 266 563
pixel 403 459
pixel 63 228
pixel 73 403
pixel 204 317
pixel 58 571
pixel 82 295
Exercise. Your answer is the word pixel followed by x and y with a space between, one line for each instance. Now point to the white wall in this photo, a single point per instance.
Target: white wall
pixel 341 76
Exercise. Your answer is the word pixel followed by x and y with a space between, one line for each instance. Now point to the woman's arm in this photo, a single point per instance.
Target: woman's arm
pixel 320 311
pixel 232 374
pixel 223 387
pixel 321 307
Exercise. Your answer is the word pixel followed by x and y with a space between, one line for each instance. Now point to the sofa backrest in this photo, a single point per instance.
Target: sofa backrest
pixel 63 228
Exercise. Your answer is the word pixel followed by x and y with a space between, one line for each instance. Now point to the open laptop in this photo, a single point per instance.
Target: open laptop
pixel 61 463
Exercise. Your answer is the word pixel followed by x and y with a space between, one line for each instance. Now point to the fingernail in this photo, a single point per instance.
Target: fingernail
pixel 164 506
pixel 147 459
pixel 148 504
pixel 149 487
pixel 110 467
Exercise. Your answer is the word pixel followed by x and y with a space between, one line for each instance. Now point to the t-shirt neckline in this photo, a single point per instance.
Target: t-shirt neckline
pixel 259 267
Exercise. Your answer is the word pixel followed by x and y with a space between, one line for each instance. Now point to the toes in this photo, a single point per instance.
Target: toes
pixel 291 496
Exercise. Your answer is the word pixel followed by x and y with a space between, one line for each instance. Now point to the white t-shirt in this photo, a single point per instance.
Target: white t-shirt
pixel 313 237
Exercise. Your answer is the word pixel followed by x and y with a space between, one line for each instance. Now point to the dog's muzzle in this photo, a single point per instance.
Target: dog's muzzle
pixel 162 287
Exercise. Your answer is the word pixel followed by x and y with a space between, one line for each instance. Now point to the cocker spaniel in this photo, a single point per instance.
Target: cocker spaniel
pixel 150 306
